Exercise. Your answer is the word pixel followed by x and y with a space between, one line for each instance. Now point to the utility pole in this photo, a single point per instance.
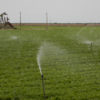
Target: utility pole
pixel 20 20
pixel 46 20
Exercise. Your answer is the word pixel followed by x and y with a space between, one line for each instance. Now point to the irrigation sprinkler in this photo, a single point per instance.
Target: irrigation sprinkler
pixel 43 86
pixel 40 68
pixel 91 48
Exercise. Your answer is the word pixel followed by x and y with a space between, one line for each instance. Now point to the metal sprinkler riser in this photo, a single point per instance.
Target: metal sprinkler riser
pixel 43 85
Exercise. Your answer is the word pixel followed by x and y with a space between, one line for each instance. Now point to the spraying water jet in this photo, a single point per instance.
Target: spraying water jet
pixel 49 54
pixel 42 76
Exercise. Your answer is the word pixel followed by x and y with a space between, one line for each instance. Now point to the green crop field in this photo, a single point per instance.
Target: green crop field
pixel 69 57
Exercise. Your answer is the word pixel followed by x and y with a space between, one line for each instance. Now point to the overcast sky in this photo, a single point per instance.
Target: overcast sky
pixel 60 11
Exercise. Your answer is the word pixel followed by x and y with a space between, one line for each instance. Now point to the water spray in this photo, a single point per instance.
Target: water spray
pixel 42 76
pixel 45 51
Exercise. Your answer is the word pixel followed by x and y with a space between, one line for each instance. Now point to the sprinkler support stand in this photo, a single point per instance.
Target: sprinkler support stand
pixel 91 47
pixel 43 85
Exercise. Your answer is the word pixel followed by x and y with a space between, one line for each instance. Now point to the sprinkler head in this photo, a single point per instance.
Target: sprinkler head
pixel 43 85
pixel 42 76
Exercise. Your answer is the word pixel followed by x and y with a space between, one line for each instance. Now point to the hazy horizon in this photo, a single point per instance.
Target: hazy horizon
pixel 62 11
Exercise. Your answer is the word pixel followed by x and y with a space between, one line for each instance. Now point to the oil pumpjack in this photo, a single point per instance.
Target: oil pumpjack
pixel 4 22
